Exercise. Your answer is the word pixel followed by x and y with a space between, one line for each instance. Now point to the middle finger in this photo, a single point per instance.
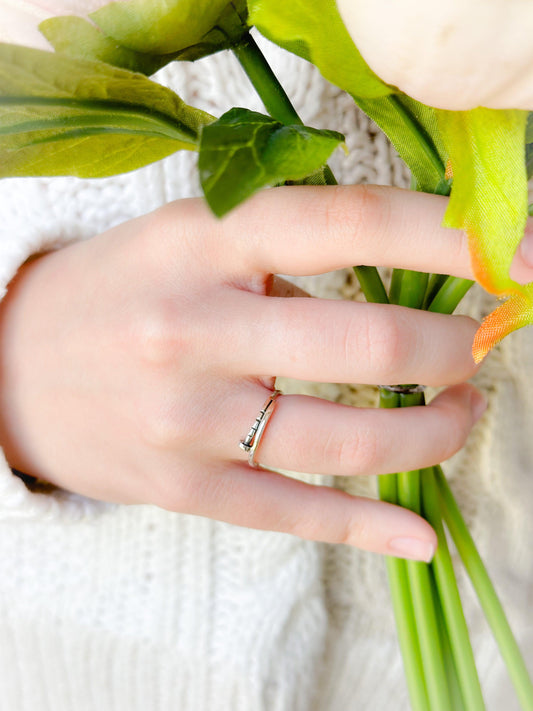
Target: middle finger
pixel 346 342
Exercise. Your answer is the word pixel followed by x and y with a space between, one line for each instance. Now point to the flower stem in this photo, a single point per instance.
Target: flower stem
pixel 421 587
pixel 371 284
pixel 265 82
pixel 279 106
pixel 413 289
pixel 401 593
pixel 486 593
pixel 456 628
pixel 449 295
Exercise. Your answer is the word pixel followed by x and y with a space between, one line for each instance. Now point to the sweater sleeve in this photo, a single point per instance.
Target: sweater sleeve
pixel 31 224
pixel 43 214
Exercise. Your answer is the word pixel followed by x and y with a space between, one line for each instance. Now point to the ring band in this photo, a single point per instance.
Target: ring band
pixel 251 442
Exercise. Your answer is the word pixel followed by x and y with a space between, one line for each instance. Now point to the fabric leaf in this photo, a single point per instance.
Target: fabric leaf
pixel 80 38
pixel 313 29
pixel 159 26
pixel 489 200
pixel 245 151
pixel 412 129
pixel 65 116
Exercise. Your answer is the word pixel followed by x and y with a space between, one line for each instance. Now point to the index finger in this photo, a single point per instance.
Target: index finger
pixel 304 230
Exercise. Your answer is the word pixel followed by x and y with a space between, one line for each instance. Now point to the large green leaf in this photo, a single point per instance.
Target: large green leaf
pixel 412 129
pixel 159 26
pixel 64 116
pixel 489 201
pixel 313 29
pixel 244 151
pixel 80 38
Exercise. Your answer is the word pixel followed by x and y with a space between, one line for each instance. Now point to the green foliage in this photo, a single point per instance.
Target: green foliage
pixel 412 129
pixel 80 38
pixel 489 194
pixel 529 145
pixel 244 151
pixel 64 116
pixel 161 26
pixel 313 29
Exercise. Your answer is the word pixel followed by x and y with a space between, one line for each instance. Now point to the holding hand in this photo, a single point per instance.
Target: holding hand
pixel 135 362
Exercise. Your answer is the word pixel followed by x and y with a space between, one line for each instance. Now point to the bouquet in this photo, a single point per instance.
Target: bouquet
pixel 89 109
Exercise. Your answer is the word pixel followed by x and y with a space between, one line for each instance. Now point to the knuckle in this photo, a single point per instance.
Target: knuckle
pixel 164 427
pixel 355 211
pixel 357 452
pixel 355 531
pixel 382 340
pixel 160 336
pixel 369 212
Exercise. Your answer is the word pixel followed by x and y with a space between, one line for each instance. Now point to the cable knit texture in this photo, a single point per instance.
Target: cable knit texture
pixel 111 608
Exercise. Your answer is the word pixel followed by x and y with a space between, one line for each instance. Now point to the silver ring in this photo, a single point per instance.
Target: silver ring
pixel 403 389
pixel 251 442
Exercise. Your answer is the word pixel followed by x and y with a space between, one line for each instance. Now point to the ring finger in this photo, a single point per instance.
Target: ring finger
pixel 311 435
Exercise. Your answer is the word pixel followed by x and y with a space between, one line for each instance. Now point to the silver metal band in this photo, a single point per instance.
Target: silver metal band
pixel 403 389
pixel 251 442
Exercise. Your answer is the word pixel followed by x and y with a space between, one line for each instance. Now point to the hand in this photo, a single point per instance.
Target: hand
pixel 135 362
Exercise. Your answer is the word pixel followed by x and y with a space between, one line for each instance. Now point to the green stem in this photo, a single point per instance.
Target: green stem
pixel 435 282
pixel 413 289
pixel 486 593
pixel 265 82
pixel 279 106
pixel 451 602
pixel 421 588
pixel 401 593
pixel 449 295
pixel 456 697
pixel 371 284
pixel 395 288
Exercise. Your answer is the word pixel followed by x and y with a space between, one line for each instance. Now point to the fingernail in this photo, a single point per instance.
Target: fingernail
pixel 522 265
pixel 412 548
pixel 478 405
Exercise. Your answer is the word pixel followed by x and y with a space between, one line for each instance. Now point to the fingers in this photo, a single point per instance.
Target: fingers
pixel 311 435
pixel 336 341
pixel 319 229
pixel 269 501
pixel 522 265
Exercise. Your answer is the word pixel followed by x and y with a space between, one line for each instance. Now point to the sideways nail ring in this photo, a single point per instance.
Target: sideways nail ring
pixel 251 442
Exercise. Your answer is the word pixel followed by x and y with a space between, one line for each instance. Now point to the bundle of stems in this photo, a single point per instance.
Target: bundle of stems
pixel 434 641
pixel 438 659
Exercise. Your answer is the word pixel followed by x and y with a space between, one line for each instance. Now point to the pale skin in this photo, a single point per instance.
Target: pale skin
pixel 134 363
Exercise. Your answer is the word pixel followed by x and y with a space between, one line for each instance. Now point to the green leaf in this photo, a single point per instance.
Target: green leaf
pixel 489 201
pixel 245 151
pixel 64 116
pixel 529 145
pixel 412 129
pixel 159 26
pixel 80 38
pixel 313 29
pixel 226 33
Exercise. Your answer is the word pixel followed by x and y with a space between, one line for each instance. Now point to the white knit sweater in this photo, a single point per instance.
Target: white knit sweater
pixel 115 608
